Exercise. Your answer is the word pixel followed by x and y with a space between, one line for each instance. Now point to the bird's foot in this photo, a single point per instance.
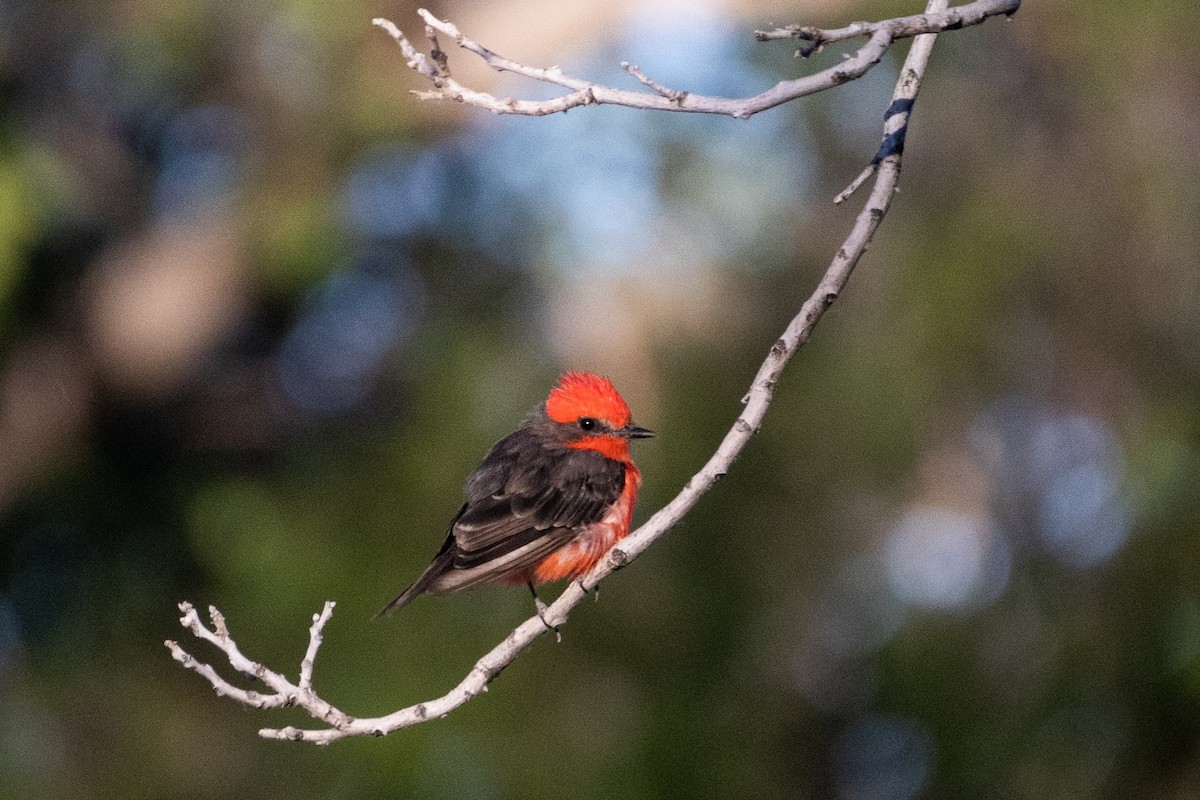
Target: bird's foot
pixel 542 608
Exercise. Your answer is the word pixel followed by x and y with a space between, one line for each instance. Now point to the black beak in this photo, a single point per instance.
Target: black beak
pixel 632 431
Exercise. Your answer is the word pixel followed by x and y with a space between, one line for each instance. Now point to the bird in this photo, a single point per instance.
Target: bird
pixel 548 501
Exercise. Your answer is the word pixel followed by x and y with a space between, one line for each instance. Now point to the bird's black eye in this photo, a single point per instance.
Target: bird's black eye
pixel 587 423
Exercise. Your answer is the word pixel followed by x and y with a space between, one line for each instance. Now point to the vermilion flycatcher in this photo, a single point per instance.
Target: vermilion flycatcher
pixel 549 500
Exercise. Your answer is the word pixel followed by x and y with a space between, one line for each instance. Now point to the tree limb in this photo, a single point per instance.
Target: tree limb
pixel 944 19
pixel 885 168
pixel 880 36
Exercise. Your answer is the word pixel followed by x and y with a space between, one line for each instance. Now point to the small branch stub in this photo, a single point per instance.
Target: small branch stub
pixel 671 94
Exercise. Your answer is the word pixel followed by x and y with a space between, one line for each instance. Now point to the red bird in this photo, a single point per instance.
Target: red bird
pixel 548 501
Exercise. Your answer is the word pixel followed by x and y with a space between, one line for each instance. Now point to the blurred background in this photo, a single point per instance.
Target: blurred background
pixel 261 311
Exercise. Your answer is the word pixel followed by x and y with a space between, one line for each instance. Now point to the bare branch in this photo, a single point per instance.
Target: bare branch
pixel 880 36
pixel 314 643
pixel 415 59
pixel 943 19
pixel 285 692
pixel 885 168
pixel 223 687
pixel 904 96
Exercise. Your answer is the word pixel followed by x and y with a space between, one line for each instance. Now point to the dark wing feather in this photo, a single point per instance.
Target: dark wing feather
pixel 528 487
pixel 524 501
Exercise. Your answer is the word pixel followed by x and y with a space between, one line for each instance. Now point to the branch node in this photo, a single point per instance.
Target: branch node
pixel 440 59
pixel 218 623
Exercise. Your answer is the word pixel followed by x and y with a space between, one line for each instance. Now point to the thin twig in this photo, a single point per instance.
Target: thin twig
pixel 674 95
pixel 932 21
pixel 314 643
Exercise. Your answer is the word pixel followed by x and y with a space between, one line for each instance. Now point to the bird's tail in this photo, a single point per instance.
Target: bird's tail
pixel 400 602
pixel 422 584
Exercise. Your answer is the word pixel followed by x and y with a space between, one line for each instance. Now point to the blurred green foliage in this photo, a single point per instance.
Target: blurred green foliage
pixel 261 312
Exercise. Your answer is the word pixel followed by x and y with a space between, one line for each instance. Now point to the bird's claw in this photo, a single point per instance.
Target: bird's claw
pixel 542 608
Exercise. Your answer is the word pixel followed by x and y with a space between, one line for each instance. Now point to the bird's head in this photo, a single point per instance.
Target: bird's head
pixel 589 414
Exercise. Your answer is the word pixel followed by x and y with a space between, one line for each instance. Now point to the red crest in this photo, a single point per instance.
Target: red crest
pixel 586 394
